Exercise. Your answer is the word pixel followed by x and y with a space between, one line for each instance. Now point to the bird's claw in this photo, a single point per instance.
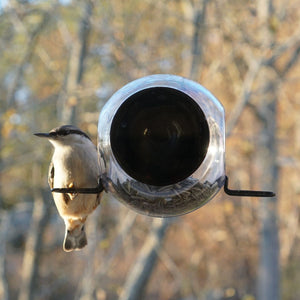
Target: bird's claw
pixel 74 194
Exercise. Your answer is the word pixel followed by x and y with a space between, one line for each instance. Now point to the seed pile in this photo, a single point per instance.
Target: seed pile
pixel 165 201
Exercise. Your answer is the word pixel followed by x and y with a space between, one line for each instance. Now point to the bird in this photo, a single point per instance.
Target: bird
pixel 74 165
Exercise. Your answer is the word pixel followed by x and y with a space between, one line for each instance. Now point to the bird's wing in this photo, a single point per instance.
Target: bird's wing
pixel 66 197
pixel 51 175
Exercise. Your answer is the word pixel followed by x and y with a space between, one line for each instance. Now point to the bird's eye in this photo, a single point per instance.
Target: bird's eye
pixel 69 231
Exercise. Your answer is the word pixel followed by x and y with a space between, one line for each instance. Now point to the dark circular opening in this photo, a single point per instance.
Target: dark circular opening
pixel 159 136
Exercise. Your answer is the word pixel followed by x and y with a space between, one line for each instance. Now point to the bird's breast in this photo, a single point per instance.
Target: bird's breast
pixel 79 207
pixel 76 167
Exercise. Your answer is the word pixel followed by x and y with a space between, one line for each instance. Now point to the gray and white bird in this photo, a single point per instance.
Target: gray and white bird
pixel 74 165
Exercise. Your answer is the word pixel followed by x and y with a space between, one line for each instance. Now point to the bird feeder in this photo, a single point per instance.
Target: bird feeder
pixel 161 144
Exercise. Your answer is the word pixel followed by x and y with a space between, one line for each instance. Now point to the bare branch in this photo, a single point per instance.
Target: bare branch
pixel 291 62
pixel 282 48
pixel 31 44
pixel 245 95
pixel 75 70
pixel 124 226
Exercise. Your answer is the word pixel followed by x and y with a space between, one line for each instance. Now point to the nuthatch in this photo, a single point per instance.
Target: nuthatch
pixel 74 165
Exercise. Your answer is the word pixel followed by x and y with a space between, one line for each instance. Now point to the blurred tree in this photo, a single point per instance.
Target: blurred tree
pixel 141 271
pixel 5 220
pixel 69 98
pixel 269 273
pixel 60 61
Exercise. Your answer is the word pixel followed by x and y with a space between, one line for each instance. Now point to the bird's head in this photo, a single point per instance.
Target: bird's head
pixel 65 135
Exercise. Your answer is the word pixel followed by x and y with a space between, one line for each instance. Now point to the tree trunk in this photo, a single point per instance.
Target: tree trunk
pixel 40 217
pixel 198 39
pixel 5 219
pixel 141 271
pixel 78 51
pixel 269 273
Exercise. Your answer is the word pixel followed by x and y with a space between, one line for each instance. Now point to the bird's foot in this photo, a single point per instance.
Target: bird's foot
pixel 74 194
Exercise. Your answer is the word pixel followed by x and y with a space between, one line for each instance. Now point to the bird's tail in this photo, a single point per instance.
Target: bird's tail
pixel 74 241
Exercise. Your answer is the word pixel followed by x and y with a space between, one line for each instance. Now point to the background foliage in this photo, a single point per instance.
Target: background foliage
pixel 61 61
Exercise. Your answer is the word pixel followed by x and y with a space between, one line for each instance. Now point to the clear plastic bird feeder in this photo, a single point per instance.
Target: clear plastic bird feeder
pixel 162 144
pixel 161 147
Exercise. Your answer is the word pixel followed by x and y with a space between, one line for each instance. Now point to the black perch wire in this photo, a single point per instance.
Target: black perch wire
pixel 230 192
pixel 246 193
pixel 95 190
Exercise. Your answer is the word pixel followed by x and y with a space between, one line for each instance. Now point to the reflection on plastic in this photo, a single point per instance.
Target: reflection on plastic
pixel 161 145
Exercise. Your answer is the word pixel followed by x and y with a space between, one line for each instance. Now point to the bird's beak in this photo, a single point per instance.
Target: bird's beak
pixel 42 135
